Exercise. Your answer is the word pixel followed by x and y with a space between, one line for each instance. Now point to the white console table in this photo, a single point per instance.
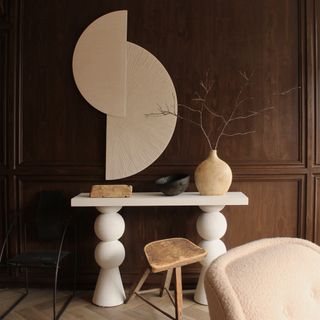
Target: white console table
pixel 109 226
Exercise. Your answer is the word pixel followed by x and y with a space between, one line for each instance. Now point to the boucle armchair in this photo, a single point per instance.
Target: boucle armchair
pixel 269 279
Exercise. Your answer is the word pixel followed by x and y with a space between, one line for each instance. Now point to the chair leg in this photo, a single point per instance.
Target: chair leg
pixel 56 315
pixel 166 282
pixel 20 298
pixel 138 284
pixel 75 262
pixel 26 274
pixel 54 301
pixel 178 293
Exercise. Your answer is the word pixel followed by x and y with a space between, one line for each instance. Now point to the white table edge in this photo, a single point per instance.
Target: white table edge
pixel 158 199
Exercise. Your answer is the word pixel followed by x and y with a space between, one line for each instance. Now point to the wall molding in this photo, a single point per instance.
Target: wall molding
pixel 3 95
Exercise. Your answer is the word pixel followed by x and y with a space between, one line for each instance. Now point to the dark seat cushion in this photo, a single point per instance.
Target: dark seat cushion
pixel 37 259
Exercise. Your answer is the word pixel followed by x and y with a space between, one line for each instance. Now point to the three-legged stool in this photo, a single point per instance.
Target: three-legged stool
pixel 168 255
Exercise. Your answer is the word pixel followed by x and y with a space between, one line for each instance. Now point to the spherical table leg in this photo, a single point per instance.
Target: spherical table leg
pixel 211 226
pixel 109 254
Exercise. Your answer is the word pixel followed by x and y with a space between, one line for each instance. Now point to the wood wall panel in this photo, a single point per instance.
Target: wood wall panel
pixel 317 82
pixel 3 218
pixel 60 100
pixel 59 120
pixel 60 139
pixel 317 208
pixel 235 41
pixel 3 205
pixel 3 7
pixel 3 95
pixel 274 210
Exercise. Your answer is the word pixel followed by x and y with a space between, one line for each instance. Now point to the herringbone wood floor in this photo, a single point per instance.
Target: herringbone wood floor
pixel 38 306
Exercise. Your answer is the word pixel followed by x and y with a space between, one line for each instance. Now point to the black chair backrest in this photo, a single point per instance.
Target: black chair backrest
pixel 51 215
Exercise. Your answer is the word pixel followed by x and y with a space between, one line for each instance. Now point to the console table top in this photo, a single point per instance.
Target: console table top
pixel 159 199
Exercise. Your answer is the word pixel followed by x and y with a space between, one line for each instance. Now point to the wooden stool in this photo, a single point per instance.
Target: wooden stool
pixel 166 255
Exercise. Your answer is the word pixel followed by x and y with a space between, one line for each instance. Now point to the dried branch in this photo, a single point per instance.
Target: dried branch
pixel 245 100
pixel 245 76
pixel 207 86
pixel 189 108
pixel 199 124
pixel 238 102
pixel 202 106
pixel 251 114
pixel 210 110
pixel 284 93
pixel 237 134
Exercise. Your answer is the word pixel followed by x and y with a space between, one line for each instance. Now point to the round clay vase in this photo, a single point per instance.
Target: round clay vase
pixel 213 176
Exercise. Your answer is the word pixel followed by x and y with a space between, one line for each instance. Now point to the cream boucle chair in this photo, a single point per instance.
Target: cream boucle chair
pixel 269 279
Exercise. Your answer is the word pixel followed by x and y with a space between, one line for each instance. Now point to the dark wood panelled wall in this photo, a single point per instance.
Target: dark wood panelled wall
pixel 50 138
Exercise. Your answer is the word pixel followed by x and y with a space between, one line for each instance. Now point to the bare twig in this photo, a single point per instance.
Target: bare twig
pixel 202 99
pixel 251 114
pixel 245 100
pixel 245 76
pixel 238 102
pixel 237 134
pixel 212 112
pixel 202 106
pixel 162 113
pixel 284 93
pixel 199 124
pixel 189 108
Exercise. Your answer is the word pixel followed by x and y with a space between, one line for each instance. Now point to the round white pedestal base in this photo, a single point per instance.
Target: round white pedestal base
pixel 109 254
pixel 109 290
pixel 215 249
pixel 211 226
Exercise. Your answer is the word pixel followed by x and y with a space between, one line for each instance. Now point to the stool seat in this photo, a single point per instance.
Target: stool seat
pixel 171 253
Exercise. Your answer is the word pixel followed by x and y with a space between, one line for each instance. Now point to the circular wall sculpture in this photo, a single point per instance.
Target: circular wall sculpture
pixel 126 82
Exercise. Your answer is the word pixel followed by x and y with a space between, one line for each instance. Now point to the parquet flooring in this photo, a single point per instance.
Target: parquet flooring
pixel 38 306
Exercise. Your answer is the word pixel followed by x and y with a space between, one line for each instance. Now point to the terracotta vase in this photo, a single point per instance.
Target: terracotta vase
pixel 213 176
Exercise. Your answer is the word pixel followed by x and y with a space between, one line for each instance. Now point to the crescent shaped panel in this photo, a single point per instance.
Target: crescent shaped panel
pixel 100 63
pixel 136 141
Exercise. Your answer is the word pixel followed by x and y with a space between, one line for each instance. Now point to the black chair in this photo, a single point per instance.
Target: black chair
pixel 52 222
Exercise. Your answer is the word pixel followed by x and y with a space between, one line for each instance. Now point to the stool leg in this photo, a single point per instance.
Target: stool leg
pixel 166 282
pixel 138 284
pixel 178 293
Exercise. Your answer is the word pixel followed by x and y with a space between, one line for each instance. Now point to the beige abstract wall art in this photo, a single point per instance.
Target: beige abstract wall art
pixel 126 82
